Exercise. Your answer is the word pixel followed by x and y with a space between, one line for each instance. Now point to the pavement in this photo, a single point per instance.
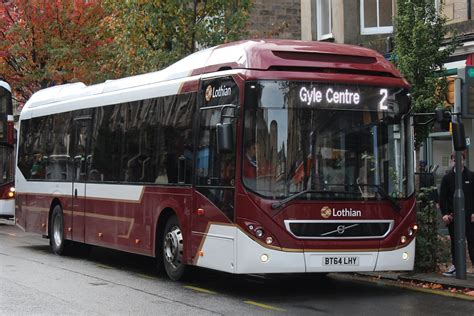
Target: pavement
pixel 424 278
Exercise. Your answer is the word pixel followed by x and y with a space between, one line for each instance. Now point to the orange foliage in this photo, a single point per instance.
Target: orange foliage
pixel 44 43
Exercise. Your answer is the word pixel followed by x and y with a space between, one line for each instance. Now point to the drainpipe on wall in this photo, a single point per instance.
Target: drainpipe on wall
pixel 469 9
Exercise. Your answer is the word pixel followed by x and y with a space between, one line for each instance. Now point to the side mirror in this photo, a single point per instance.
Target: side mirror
pixel 225 138
pixel 459 137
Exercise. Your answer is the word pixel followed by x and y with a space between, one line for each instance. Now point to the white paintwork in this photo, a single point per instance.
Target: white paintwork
pixel 227 248
pixel 87 97
pixel 76 96
pixel 5 85
pixel 249 255
pixel 219 248
pixel 7 207
pixel 115 191
pixel 392 260
pixel 126 193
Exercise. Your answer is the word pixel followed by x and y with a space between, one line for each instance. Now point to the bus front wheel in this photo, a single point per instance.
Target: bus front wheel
pixel 173 249
pixel 56 238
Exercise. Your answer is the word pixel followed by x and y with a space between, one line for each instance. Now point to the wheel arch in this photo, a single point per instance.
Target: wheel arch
pixel 54 203
pixel 165 214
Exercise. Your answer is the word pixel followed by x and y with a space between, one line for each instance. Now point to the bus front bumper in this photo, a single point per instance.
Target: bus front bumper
pixel 7 208
pixel 227 248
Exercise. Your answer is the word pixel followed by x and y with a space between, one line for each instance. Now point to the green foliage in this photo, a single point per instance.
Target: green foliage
pixel 430 249
pixel 420 32
pixel 151 34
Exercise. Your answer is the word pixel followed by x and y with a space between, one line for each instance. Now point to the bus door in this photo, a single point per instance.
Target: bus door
pixel 213 233
pixel 81 143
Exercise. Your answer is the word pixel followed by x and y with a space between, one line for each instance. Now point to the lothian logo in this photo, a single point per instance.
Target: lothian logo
pixel 212 92
pixel 327 212
pixel 208 95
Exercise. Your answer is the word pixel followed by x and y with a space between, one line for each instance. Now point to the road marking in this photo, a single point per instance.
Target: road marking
pixel 103 266
pixel 199 289
pixel 273 308
pixel 146 276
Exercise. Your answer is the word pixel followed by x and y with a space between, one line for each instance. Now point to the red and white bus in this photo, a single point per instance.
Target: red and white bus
pixel 262 156
pixel 7 164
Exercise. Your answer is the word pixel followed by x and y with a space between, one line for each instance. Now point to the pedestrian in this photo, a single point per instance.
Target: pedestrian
pixel 447 209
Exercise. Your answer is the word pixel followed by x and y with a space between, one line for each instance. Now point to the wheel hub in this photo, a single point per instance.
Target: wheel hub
pixel 173 247
pixel 57 232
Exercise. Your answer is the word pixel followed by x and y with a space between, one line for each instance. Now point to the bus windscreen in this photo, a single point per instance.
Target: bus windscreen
pixel 333 141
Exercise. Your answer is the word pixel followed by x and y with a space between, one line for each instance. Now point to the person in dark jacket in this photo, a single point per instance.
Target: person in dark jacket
pixel 447 209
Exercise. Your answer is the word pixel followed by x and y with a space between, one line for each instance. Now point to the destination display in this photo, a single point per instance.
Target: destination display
pixel 347 96
pixel 292 94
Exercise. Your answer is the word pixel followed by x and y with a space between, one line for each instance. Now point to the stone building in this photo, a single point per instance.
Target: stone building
pixel 369 23
pixel 275 19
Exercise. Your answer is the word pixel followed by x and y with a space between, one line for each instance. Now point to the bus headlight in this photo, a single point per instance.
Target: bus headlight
pixel 11 193
pixel 259 233
pixel 403 239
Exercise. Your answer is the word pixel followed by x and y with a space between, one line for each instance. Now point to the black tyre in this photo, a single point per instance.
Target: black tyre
pixel 159 264
pixel 172 247
pixel 56 231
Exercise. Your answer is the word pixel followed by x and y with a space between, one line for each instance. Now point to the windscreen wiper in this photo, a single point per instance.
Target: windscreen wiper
pixel 279 204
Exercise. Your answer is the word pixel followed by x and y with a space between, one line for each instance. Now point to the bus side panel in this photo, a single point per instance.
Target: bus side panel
pixel 20 214
pixel 32 209
pixel 35 212
pixel 129 225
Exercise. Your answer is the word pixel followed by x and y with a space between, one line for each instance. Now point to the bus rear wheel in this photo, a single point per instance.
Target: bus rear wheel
pixel 173 249
pixel 56 238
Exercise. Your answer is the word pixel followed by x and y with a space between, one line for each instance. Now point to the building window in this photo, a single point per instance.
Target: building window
pixel 324 19
pixel 376 16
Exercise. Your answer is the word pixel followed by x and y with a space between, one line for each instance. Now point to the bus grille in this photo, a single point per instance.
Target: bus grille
pixel 339 229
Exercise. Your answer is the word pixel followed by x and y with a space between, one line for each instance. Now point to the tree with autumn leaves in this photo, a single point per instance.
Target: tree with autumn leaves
pixel 155 33
pixel 45 43
pixel 50 42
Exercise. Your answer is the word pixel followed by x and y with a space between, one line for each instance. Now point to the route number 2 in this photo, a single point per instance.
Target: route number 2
pixel 384 94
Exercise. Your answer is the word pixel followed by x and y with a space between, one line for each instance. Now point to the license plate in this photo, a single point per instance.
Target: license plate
pixel 341 261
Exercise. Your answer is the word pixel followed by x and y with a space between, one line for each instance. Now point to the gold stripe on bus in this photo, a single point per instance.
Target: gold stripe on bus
pixel 129 220
pixel 36 209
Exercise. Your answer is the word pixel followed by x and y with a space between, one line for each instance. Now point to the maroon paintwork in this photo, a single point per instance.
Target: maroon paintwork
pixel 103 222
pixel 5 189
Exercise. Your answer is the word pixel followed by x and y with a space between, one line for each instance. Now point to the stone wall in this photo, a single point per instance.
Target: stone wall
pixel 275 19
pixel 455 10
